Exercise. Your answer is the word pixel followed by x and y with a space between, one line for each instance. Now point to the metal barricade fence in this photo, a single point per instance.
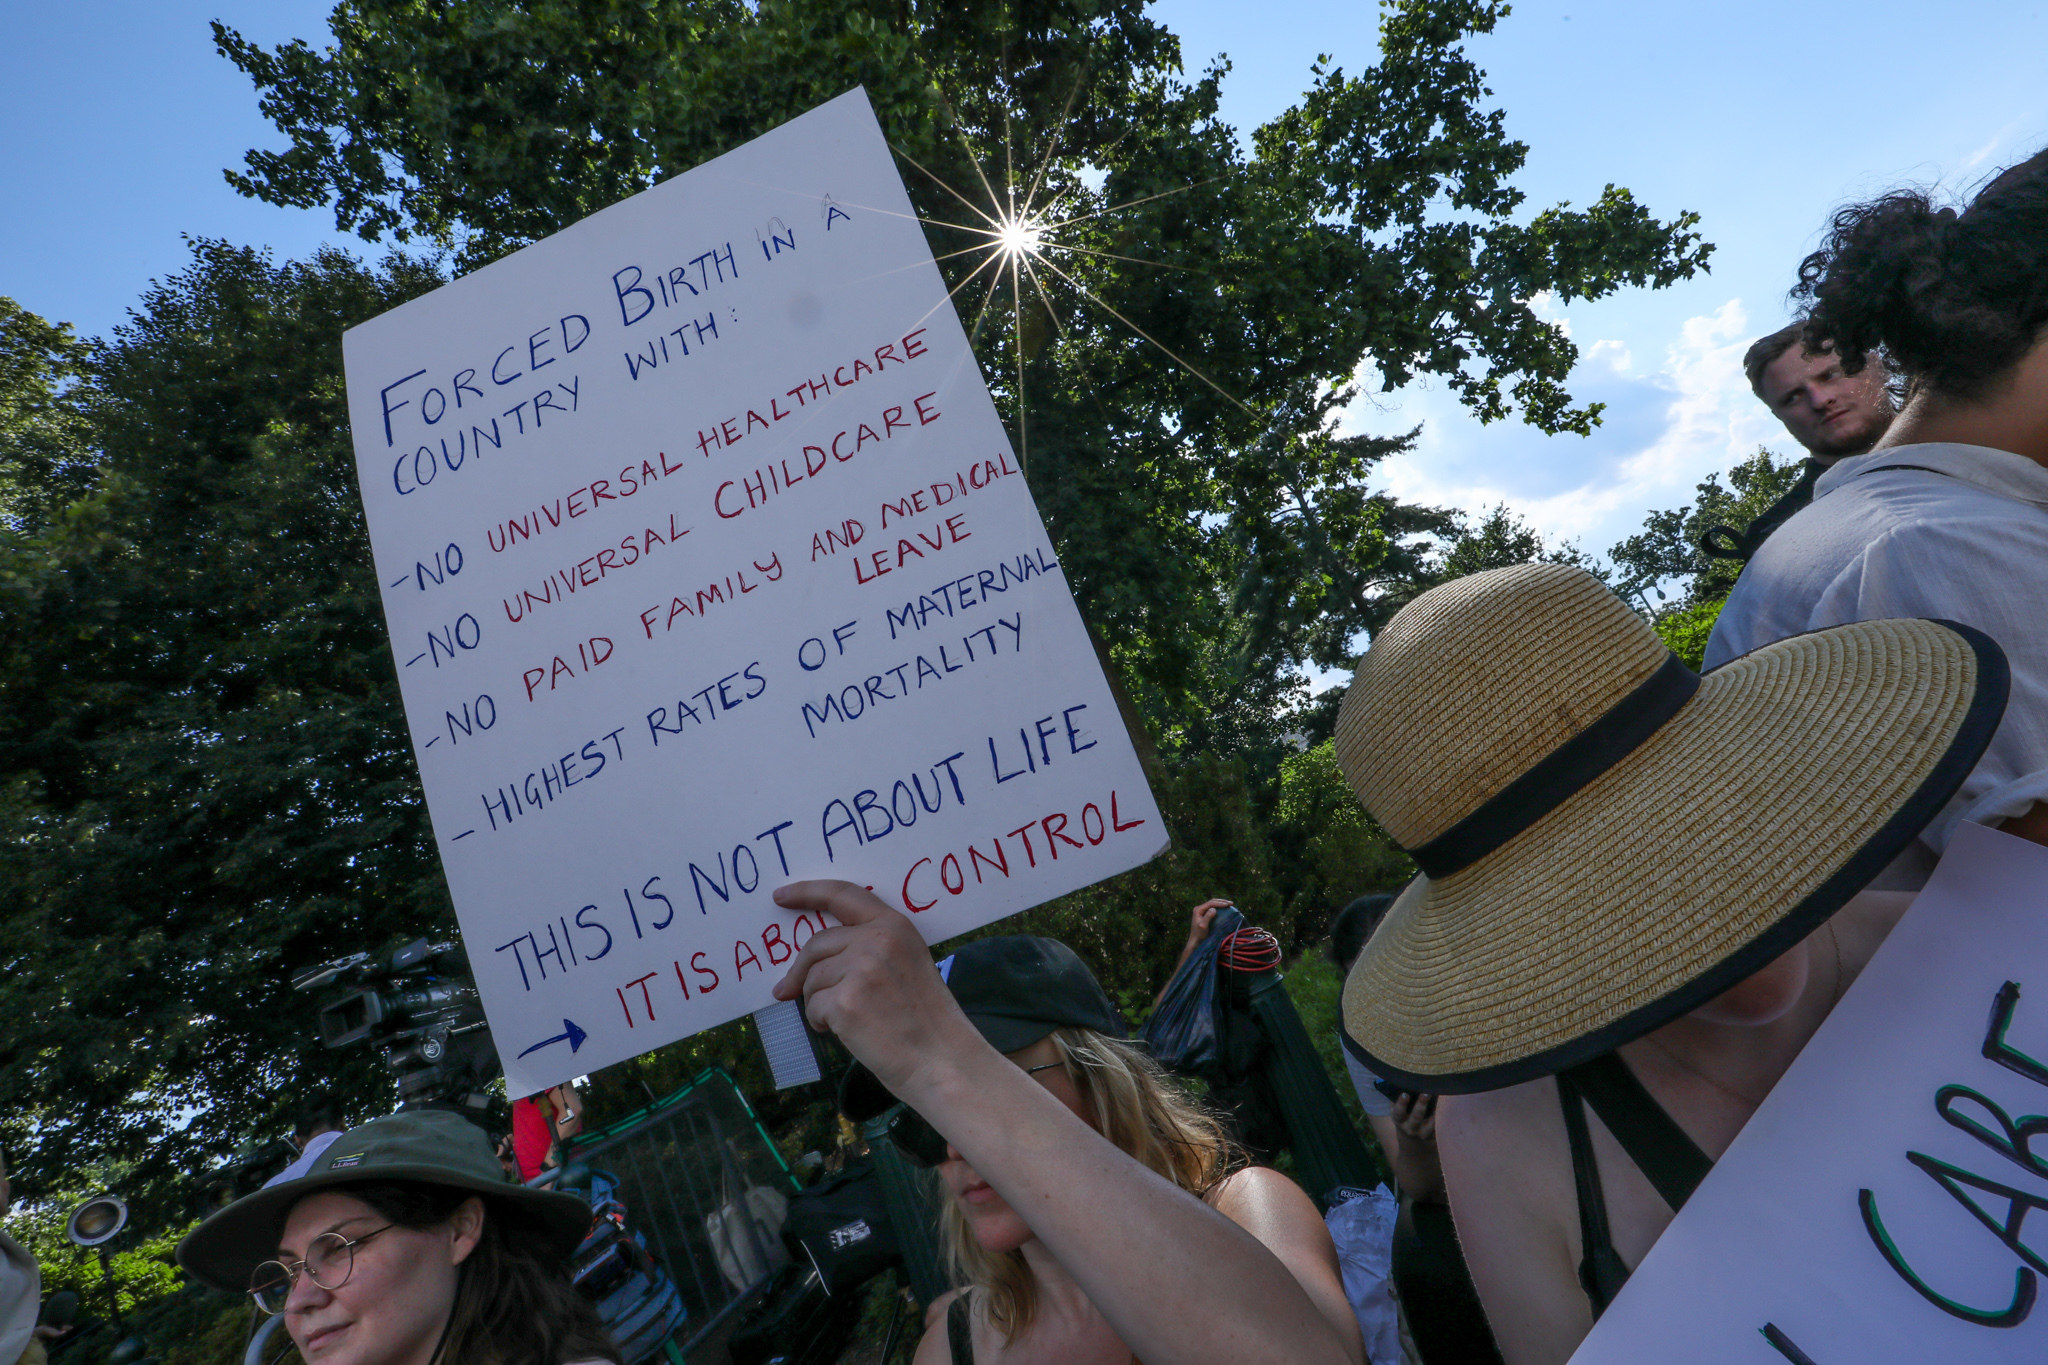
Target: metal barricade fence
pixel 703 1183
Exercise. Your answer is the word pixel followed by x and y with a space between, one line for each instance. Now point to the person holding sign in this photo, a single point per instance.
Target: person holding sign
pixel 1639 900
pixel 1948 517
pixel 1097 1201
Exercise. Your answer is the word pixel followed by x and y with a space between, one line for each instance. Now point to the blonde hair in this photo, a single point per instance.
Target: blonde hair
pixel 1129 1100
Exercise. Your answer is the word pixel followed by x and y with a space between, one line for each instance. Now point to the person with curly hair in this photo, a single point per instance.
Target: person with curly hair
pixel 1947 518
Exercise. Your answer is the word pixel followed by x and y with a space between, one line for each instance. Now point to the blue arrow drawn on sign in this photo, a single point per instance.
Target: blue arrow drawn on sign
pixel 571 1034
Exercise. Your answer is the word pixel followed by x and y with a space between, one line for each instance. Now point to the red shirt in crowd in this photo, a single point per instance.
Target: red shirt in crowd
pixel 532 1135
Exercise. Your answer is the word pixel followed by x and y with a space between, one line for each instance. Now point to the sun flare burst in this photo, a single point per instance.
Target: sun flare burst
pixel 1021 238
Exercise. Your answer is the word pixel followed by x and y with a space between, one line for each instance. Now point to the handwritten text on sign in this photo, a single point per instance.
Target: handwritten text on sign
pixel 1876 1206
pixel 708 567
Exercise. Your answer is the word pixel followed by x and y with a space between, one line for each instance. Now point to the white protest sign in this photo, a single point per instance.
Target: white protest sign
pixel 1875 1207
pixel 708 567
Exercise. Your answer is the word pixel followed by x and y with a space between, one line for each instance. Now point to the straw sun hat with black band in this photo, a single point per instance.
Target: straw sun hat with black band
pixel 1608 839
pixel 428 1146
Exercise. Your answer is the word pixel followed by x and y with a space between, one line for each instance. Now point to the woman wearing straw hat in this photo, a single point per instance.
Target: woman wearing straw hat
pixel 405 1245
pixel 1639 900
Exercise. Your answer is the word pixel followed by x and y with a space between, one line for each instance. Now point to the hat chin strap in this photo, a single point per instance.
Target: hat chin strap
pixel 1561 772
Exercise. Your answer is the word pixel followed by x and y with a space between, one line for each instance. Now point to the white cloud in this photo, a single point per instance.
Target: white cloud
pixel 1661 433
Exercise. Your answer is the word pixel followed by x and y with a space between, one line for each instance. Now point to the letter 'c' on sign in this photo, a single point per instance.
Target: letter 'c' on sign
pixel 422 474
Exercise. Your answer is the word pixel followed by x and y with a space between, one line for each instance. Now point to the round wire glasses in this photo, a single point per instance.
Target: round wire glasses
pixel 330 1260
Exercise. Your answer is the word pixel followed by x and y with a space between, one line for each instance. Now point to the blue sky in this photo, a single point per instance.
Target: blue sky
pixel 1761 117
pixel 116 117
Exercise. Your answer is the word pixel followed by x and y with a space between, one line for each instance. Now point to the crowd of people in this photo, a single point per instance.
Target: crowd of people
pixel 1642 890
pixel 1633 911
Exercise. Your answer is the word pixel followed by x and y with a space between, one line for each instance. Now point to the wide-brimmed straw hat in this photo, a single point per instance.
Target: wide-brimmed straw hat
pixel 430 1146
pixel 1609 839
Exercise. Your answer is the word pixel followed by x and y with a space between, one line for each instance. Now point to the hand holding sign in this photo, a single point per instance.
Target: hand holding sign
pixel 870 983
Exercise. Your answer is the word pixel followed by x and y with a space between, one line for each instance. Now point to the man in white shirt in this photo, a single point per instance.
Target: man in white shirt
pixel 1948 516
pixel 1945 531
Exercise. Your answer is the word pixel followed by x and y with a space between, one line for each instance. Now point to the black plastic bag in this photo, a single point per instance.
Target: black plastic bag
pixel 1183 1031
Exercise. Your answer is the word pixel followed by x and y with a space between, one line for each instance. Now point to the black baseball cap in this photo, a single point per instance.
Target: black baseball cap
pixel 1015 989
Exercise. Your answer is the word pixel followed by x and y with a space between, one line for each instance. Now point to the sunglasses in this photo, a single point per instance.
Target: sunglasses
pixel 922 1145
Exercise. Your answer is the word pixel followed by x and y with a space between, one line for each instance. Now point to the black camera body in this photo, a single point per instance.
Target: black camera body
pixel 418 1006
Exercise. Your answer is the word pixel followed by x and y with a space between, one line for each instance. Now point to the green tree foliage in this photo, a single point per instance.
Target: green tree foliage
pixel 1215 527
pixel 1685 631
pixel 45 455
pixel 1500 539
pixel 1665 554
pixel 207 779
pixel 1340 852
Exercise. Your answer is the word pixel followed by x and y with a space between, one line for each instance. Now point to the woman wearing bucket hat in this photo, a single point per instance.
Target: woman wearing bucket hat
pixel 1638 880
pixel 1121 1259
pixel 405 1245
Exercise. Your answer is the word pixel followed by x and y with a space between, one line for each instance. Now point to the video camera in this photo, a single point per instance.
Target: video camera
pixel 417 1004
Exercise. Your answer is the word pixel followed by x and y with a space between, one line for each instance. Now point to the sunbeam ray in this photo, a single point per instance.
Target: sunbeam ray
pixel 960 131
pixel 974 333
pixel 1019 237
pixel 972 207
pixel 1133 203
pixel 1023 412
pixel 1134 260
pixel 1053 148
pixel 1109 308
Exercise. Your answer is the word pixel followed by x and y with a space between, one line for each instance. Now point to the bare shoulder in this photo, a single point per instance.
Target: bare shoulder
pixel 1273 1209
pixel 1260 1193
pixel 933 1348
pixel 1506 1162
pixel 1495 1125
pixel 1507 1170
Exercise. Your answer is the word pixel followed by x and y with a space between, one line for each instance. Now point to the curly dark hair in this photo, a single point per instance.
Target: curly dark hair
pixel 1955 299
pixel 514 1304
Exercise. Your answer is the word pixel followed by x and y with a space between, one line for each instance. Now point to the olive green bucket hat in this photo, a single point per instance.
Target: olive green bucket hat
pixel 430 1146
